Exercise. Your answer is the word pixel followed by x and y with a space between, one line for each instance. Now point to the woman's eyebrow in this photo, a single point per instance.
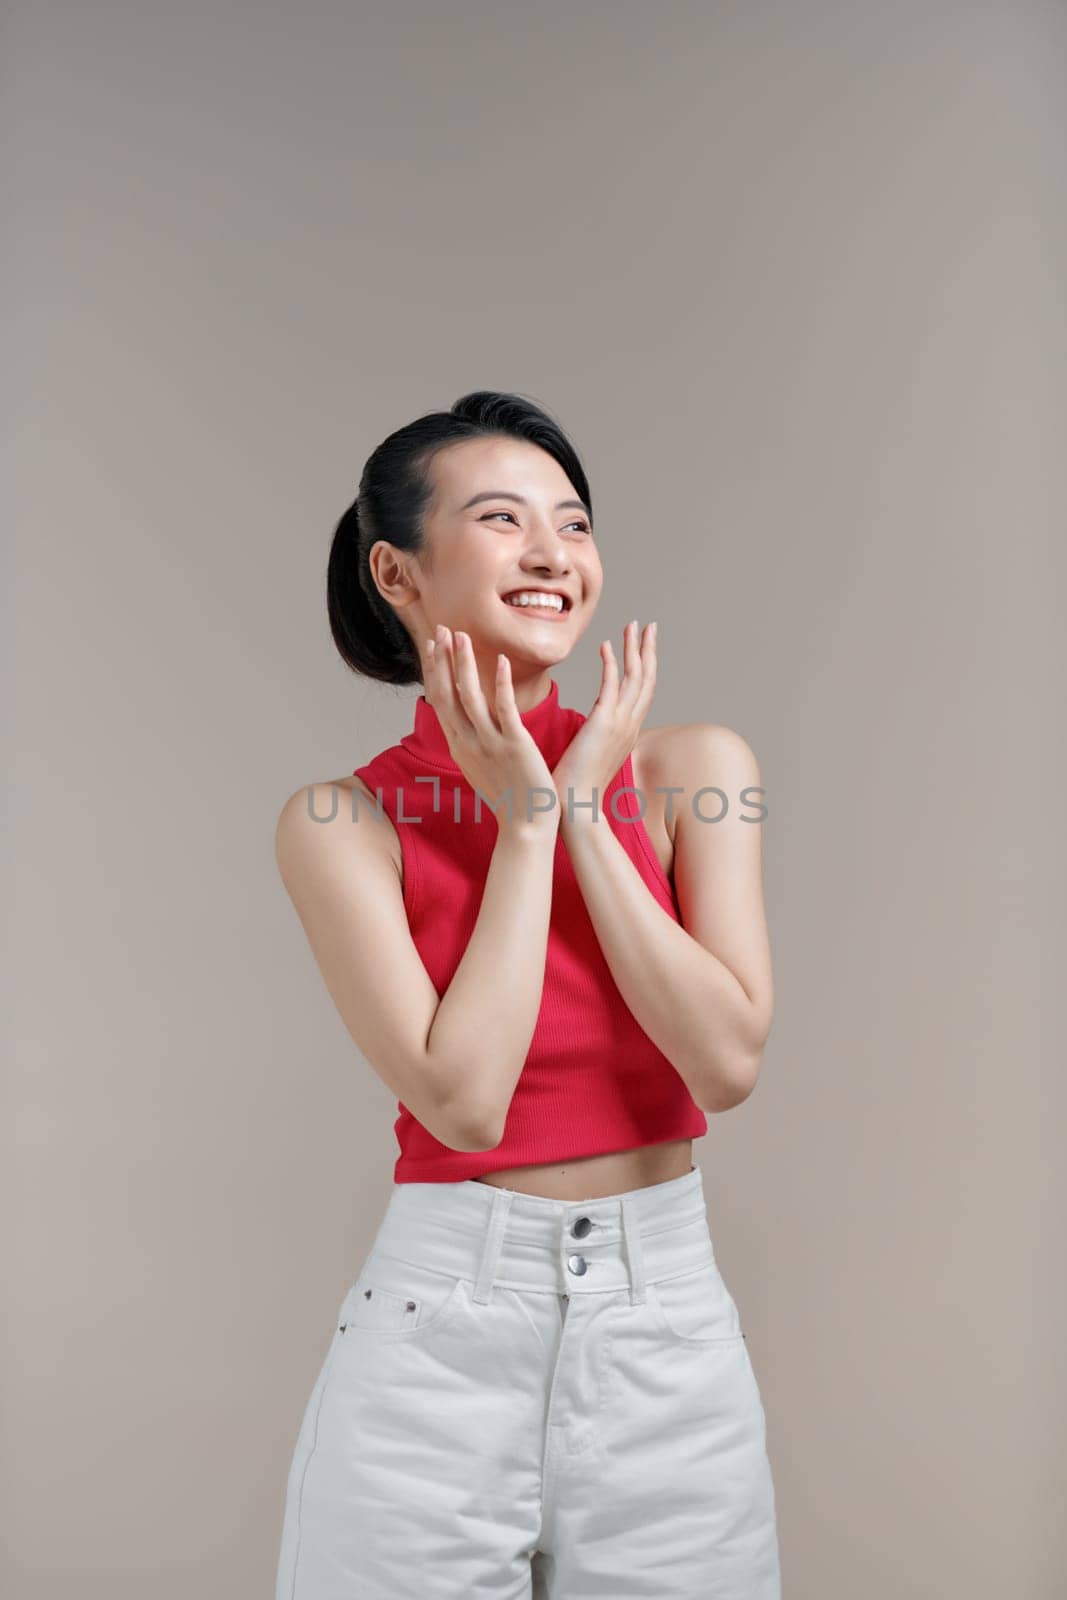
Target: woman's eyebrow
pixel 503 494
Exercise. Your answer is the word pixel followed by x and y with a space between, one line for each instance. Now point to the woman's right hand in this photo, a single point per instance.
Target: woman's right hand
pixel 491 745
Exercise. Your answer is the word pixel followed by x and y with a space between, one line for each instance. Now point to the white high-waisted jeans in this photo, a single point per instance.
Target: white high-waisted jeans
pixel 527 1398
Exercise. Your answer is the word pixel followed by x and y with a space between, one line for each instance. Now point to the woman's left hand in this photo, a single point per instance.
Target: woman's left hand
pixel 609 733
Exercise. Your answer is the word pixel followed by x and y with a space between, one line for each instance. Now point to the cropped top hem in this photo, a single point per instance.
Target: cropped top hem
pixel 463 1164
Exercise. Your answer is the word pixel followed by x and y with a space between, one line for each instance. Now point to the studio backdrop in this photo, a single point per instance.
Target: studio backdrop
pixel 790 274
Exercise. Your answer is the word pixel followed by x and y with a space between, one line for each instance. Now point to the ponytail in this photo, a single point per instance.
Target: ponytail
pixel 366 630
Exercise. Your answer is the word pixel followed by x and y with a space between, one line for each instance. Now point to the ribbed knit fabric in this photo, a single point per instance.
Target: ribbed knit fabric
pixel 593 1081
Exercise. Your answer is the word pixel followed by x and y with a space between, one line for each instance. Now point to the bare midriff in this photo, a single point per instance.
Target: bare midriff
pixel 593 1177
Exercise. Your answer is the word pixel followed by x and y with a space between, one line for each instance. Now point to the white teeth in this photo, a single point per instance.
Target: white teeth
pixel 530 597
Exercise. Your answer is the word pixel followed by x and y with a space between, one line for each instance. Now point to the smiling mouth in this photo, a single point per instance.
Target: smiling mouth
pixel 546 610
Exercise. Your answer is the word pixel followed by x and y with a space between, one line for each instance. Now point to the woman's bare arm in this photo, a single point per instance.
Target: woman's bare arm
pixel 702 990
pixel 452 1060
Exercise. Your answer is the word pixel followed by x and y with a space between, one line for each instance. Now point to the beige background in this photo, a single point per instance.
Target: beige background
pixel 790 274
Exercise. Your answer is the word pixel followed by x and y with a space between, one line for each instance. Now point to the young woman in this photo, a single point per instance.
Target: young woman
pixel 538 1385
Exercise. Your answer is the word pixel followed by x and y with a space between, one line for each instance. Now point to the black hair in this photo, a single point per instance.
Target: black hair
pixel 394 491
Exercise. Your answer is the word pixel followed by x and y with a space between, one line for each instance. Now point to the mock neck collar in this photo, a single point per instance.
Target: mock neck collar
pixel 427 742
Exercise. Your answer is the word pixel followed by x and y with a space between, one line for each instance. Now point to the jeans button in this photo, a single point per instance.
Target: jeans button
pixel 582 1227
pixel 577 1265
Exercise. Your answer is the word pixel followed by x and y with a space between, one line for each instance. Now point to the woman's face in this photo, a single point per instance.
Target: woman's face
pixel 504 518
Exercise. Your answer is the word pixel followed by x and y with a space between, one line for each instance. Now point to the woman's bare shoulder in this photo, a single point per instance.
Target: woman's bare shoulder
pixel 655 753
pixel 334 814
pixel 689 756
pixel 681 741
pixel 652 742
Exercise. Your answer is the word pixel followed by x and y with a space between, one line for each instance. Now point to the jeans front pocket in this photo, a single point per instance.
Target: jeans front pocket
pixel 697 1308
pixel 396 1299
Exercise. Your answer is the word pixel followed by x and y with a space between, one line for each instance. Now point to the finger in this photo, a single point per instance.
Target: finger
pixel 633 673
pixel 469 689
pixel 431 657
pixel 648 684
pixel 445 702
pixel 426 661
pixel 422 647
pixel 507 712
pixel 609 682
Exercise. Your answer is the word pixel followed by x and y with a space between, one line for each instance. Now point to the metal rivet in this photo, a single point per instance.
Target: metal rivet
pixel 411 1305
pixel 367 1294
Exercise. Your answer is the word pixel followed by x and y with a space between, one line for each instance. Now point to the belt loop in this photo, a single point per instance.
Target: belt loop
pixel 494 1235
pixel 632 1230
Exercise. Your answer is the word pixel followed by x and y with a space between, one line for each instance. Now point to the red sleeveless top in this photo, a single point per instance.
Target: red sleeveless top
pixel 593 1081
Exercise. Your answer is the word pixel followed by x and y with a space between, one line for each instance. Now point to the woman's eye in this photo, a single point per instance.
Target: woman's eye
pixel 583 526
